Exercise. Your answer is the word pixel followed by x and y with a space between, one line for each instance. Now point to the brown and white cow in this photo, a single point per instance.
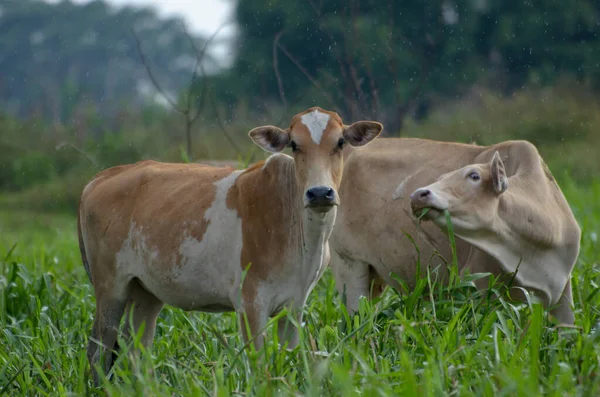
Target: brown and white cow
pixel 507 211
pixel 152 233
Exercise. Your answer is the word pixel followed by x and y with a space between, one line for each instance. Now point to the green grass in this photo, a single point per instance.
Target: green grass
pixel 433 342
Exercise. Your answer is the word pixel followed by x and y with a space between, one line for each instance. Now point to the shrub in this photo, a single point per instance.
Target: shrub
pixel 56 195
pixel 563 125
pixel 31 169
pixel 114 149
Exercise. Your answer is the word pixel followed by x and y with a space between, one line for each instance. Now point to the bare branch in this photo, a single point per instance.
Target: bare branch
pixel 276 69
pixel 151 75
pixel 360 45
pixel 392 66
pixel 314 7
pixel 192 116
pixel 192 83
pixel 62 145
pixel 425 62
pixel 355 41
pixel 191 119
pixel 306 73
pixel 222 127
pixel 200 105
pixel 339 58
pixel 200 54
pixel 351 84
pixel 374 89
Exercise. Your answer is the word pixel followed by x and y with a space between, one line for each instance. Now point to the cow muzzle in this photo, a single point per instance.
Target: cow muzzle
pixel 424 198
pixel 320 198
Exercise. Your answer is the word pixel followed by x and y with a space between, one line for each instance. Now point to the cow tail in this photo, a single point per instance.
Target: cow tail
pixel 84 259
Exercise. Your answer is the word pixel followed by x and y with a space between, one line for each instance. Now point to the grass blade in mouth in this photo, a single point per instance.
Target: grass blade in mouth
pixel 425 211
pixel 451 237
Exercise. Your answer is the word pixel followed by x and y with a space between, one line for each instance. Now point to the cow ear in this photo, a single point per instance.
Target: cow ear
pixel 362 132
pixel 498 172
pixel 270 138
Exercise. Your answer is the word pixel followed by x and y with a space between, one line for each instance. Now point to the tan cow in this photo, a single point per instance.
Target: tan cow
pixel 507 211
pixel 152 233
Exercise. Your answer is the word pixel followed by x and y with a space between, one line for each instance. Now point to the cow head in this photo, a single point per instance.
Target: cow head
pixel 317 138
pixel 470 194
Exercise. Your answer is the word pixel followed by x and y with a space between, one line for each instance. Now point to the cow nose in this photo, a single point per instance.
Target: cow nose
pixel 420 194
pixel 320 196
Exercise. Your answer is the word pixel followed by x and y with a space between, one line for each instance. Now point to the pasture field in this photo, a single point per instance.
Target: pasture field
pixel 433 342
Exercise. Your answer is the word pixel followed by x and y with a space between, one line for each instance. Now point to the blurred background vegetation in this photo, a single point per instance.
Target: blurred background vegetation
pixel 87 86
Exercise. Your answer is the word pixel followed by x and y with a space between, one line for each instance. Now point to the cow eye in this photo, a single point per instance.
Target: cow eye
pixel 474 176
pixel 294 146
pixel 341 143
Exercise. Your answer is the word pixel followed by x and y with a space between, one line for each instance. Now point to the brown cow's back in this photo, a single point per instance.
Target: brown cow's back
pixel 169 199
pixel 184 234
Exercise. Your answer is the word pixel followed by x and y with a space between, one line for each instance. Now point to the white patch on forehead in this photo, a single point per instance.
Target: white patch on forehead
pixel 316 122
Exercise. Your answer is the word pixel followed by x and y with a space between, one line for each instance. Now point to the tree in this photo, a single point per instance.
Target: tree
pixel 192 100
pixel 56 56
pixel 540 41
pixel 384 60
pixel 355 55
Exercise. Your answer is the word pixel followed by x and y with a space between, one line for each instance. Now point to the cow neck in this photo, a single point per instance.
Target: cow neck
pixel 308 232
pixel 316 229
pixel 539 267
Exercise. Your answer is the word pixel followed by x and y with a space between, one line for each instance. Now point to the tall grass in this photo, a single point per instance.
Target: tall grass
pixel 436 340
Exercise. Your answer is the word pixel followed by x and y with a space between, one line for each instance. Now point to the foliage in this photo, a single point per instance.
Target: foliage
pixel 32 169
pixel 437 341
pixel 562 121
pixel 364 58
pixel 114 150
pixel 45 166
pixel 374 59
pixel 542 41
pixel 72 74
pixel 58 58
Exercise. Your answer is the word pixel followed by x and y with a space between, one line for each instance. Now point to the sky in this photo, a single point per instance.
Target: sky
pixel 202 16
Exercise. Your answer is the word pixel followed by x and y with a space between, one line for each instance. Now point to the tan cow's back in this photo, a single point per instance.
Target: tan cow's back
pixel 371 227
pixel 370 236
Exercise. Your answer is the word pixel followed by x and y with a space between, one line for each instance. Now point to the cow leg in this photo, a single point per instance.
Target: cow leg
pixel 256 317
pixel 287 331
pixel 564 312
pixel 353 276
pixel 109 310
pixel 146 308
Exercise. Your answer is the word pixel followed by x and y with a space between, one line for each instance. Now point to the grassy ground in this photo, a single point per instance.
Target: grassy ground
pixel 457 343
